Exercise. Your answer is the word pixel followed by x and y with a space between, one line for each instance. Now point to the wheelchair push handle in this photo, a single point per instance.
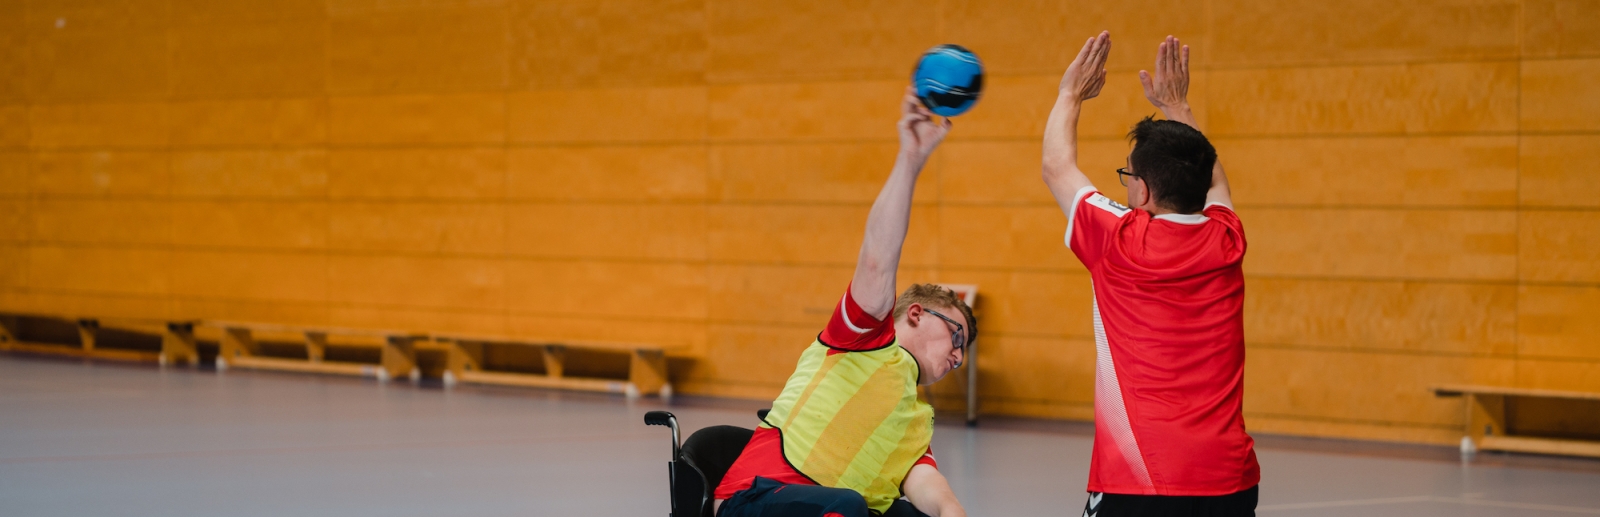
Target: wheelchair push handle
pixel 665 419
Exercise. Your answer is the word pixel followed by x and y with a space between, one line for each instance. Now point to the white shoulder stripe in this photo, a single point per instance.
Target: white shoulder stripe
pixel 1072 210
pixel 845 315
pixel 1105 203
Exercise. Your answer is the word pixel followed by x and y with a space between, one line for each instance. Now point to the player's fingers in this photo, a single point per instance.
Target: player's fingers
pixel 1144 80
pixel 1160 60
pixel 1083 53
pixel 1184 63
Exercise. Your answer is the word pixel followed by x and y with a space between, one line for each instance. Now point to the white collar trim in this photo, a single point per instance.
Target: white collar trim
pixel 1184 218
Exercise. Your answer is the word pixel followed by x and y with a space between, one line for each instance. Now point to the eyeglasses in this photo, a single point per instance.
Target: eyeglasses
pixel 958 338
pixel 1123 175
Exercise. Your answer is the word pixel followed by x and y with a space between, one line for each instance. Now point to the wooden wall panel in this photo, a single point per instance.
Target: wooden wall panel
pixel 16 130
pixel 14 276
pixel 250 122
pixel 473 173
pixel 1555 95
pixel 1383 99
pixel 1359 387
pixel 101 174
pixel 85 270
pixel 1415 180
pixel 423 227
pixel 417 281
pixel 578 43
pixel 416 47
pixel 100 57
pixel 814 173
pixel 1557 322
pixel 15 180
pixel 1373 171
pixel 253 174
pixel 233 223
pixel 1434 244
pixel 646 291
pixel 1560 28
pixel 608 173
pixel 804 111
pixel 119 125
pixel 250 275
pixel 621 231
pixel 109 221
pixel 16 220
pixel 1414 317
pixel 1024 303
pixel 1560 246
pixel 1036 369
pixel 1042 37
pixel 665 114
pixel 822 40
pixel 1024 237
pixel 798 295
pixel 418 120
pixel 271 58
pixel 1261 32
pixel 1560 170
pixel 809 234
pixel 13 52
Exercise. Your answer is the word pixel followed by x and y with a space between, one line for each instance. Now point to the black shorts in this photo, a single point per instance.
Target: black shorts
pixel 1237 504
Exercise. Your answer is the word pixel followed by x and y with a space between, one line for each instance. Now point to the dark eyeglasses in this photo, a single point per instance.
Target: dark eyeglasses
pixel 1123 175
pixel 958 338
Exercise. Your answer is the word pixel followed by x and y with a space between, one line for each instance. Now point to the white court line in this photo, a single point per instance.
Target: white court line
pixel 1429 499
pixel 1335 504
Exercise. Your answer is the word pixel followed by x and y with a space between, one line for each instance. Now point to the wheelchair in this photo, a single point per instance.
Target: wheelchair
pixel 699 463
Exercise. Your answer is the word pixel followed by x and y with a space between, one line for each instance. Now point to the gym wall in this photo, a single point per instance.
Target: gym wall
pixel 1417 179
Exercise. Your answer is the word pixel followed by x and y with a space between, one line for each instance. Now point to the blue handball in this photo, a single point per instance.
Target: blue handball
pixel 948 79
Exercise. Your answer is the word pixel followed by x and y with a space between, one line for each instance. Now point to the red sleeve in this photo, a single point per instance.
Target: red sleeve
pixel 1091 225
pixel 851 328
pixel 1224 214
pixel 927 459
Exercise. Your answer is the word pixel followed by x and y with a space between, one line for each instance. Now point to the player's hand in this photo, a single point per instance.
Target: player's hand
pixel 1168 87
pixel 919 132
pixel 1087 73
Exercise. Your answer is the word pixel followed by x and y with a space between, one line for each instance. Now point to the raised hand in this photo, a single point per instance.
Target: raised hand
pixel 1087 73
pixel 1168 87
pixel 919 133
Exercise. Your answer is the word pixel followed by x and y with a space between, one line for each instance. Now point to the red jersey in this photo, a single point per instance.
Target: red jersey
pixel 1169 341
pixel 850 328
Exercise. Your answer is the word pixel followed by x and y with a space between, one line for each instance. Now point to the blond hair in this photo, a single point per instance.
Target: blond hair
pixel 938 296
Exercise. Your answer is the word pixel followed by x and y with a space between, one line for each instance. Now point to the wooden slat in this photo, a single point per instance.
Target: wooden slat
pixel 73 351
pixel 1460 389
pixel 297 365
pixel 331 331
pixel 1540 445
pixel 523 340
pixel 540 381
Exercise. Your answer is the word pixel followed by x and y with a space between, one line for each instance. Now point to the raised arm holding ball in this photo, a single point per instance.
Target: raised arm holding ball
pixel 1168 291
pixel 848 436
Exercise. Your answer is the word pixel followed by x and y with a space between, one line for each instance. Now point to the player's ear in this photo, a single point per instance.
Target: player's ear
pixel 913 313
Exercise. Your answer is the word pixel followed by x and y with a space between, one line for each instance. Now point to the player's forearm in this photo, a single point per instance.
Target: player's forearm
pixel 1219 191
pixel 1060 164
pixel 1180 113
pixel 930 492
pixel 873 285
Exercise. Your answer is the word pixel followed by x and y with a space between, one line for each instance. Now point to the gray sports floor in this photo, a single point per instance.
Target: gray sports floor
pixel 91 439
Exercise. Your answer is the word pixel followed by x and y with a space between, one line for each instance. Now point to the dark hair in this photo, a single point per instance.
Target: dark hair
pixel 1175 162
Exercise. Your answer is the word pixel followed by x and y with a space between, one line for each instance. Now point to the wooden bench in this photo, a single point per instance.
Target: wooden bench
pixel 169 342
pixel 646 370
pixel 241 345
pixel 1492 423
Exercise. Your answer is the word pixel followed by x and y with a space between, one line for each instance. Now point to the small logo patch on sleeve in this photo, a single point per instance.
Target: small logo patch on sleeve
pixel 1105 203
